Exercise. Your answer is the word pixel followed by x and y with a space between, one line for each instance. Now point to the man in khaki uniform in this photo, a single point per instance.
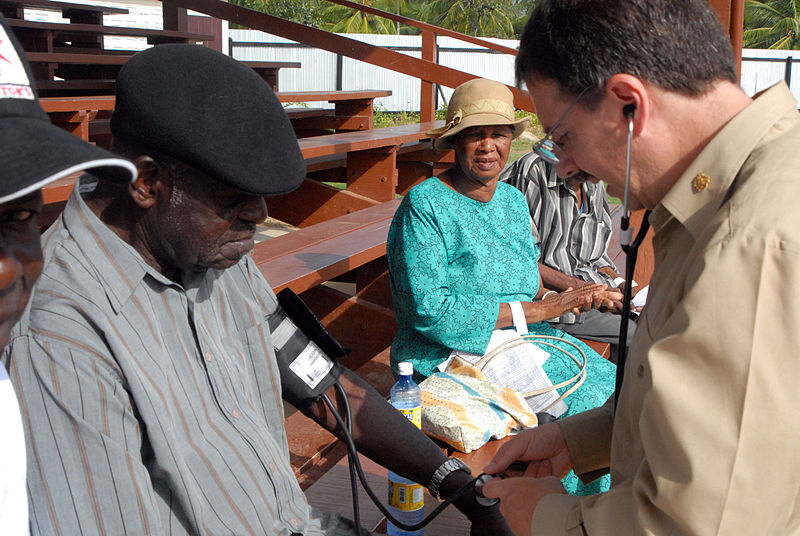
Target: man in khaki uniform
pixel 705 436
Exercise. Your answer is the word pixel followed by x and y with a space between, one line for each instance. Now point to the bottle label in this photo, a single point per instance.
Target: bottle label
pixel 414 415
pixel 405 497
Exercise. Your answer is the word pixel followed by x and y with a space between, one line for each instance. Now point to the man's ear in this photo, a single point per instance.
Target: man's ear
pixel 629 94
pixel 144 190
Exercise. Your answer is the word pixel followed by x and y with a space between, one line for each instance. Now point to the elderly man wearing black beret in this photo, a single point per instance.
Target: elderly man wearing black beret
pixel 148 377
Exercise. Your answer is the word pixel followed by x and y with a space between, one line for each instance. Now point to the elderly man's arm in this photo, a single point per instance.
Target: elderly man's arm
pixel 384 435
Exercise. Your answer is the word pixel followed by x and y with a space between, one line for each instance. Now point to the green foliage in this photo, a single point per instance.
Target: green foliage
pixel 382 118
pixel 345 20
pixel 486 18
pixel 483 18
pixel 773 24
pixel 307 12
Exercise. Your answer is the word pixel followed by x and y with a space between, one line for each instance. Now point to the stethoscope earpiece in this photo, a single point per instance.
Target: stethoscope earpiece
pixel 628 110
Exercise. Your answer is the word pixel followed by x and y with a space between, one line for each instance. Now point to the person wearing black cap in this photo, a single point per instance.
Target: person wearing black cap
pixel 146 362
pixel 33 154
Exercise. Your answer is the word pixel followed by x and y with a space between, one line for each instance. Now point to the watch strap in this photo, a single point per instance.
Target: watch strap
pixel 447 467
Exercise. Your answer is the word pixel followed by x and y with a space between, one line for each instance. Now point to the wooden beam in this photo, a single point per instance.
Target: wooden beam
pixel 351 48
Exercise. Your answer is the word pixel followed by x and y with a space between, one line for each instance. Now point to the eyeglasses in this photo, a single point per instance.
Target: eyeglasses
pixel 546 147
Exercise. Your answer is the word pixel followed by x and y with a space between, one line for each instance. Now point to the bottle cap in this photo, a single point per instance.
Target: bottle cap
pixel 405 368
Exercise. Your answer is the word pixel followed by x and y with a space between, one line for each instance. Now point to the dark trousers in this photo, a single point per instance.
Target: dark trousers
pixel 596 326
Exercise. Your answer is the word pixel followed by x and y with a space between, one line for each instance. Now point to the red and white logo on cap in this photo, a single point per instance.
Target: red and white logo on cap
pixel 14 83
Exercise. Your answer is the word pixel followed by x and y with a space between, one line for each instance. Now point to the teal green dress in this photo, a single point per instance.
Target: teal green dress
pixel 452 261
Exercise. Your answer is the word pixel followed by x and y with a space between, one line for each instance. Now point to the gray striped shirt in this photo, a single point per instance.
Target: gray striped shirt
pixel 572 239
pixel 151 407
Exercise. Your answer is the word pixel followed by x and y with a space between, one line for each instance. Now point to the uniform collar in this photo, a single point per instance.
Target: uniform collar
pixel 691 203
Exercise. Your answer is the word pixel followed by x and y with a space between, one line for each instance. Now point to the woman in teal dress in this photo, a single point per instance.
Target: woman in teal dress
pixel 460 250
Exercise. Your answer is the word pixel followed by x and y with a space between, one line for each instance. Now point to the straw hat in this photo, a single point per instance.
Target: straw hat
pixel 479 102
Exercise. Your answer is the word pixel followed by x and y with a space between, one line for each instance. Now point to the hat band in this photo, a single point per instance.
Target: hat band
pixel 483 106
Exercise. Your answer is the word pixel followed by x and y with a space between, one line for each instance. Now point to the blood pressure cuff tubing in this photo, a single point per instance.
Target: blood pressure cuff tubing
pixel 305 350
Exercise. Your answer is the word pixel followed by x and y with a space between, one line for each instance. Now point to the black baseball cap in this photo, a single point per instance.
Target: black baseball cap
pixel 33 151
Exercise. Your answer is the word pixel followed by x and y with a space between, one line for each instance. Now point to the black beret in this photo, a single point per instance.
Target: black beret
pixel 213 112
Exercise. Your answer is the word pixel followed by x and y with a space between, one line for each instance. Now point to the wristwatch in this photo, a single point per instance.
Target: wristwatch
pixel 447 467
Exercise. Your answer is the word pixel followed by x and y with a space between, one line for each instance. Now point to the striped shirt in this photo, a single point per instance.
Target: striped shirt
pixel 152 407
pixel 572 238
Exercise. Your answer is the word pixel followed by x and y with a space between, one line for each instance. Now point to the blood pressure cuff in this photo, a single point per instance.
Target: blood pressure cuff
pixel 305 350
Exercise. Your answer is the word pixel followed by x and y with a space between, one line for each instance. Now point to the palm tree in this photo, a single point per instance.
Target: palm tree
pixel 773 24
pixel 485 18
pixel 346 20
pixel 301 11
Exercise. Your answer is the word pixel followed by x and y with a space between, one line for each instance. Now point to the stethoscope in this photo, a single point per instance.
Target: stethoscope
pixel 631 249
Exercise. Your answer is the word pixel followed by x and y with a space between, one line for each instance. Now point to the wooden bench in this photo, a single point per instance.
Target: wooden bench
pixel 77 37
pixel 78 13
pixel 87 116
pixel 76 113
pixel 378 164
pixel 353 110
pixel 83 68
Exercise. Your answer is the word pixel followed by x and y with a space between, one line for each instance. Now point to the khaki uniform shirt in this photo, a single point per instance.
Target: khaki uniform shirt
pixel 706 436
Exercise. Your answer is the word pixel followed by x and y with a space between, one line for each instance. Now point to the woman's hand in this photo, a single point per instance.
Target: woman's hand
pixel 594 296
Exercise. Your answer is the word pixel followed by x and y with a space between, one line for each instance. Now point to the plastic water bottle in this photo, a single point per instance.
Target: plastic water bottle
pixel 406 497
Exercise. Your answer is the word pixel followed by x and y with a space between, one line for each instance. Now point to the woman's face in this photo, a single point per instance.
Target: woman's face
pixel 482 152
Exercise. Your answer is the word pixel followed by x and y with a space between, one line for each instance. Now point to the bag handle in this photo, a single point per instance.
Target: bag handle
pixel 576 380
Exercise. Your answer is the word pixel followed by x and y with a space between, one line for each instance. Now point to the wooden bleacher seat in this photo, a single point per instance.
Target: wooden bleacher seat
pixel 87 116
pixel 105 65
pixel 353 110
pixel 52 35
pixel 379 164
pixel 78 13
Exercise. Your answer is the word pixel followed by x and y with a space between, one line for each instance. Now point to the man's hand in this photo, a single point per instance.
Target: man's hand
pixel 519 498
pixel 543 447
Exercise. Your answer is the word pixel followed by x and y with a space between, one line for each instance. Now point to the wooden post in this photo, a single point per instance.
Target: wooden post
pixel 175 18
pixel 737 31
pixel 426 98
pixel 373 173
pixel 731 14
